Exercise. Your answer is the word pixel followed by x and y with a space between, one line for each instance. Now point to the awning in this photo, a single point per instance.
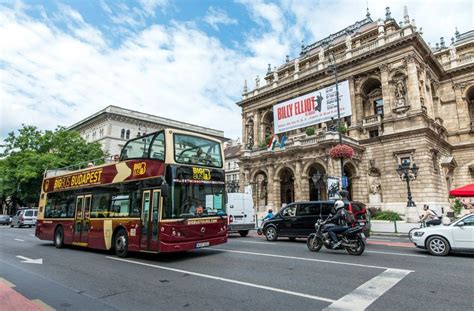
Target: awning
pixel 465 191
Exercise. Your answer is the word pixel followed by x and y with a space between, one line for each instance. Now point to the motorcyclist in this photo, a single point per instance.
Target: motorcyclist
pixel 339 219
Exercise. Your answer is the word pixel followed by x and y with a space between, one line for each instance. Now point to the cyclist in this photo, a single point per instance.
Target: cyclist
pixel 434 219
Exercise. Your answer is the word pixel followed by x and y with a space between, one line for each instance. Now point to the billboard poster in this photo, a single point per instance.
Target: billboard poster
pixel 312 108
pixel 333 188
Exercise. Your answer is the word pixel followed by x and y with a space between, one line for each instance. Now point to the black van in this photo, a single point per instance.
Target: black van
pixel 296 220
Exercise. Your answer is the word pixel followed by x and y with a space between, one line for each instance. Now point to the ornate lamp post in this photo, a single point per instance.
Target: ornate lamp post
pixel 408 174
pixel 332 69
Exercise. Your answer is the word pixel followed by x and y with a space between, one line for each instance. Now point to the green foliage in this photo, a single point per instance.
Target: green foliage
pixel 29 153
pixel 342 129
pixel 387 215
pixel 457 207
pixel 310 131
pixel 265 143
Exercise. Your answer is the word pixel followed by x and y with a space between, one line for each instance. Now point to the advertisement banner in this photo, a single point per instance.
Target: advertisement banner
pixel 333 188
pixel 313 108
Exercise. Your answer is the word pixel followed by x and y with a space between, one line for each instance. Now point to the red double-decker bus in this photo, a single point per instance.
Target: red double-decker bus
pixel 165 194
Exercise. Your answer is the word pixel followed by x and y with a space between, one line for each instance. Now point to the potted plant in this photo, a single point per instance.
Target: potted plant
pixel 342 129
pixel 310 131
pixel 341 151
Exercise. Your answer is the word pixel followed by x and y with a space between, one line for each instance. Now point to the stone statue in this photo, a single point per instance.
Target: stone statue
pixel 375 187
pixel 321 54
pixel 400 93
pixel 452 52
pixel 348 42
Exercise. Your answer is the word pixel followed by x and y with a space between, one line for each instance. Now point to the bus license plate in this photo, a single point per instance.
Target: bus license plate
pixel 202 244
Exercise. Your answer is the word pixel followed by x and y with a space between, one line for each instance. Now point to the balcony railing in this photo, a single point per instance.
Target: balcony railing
pixel 372 120
pixel 303 141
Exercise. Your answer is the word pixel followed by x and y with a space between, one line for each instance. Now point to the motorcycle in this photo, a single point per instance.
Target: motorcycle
pixel 353 239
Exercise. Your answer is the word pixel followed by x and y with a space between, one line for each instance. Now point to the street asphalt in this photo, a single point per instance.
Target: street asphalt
pixel 244 274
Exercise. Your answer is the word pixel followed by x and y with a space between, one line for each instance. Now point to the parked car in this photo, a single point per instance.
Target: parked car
pixel 296 220
pixel 441 240
pixel 24 217
pixel 5 219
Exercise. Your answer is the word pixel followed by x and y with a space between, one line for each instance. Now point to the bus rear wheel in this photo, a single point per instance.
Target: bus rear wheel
pixel 59 237
pixel 121 243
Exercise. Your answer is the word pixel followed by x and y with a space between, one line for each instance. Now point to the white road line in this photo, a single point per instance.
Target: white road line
pixel 306 259
pixel 227 280
pixel 364 295
pixel 19 240
pixel 250 242
pixel 375 252
pixel 396 254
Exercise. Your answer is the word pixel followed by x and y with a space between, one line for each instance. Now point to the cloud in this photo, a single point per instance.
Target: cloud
pixel 216 16
pixel 52 76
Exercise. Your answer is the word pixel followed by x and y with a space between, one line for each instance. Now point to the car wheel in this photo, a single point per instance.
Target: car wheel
pixel 59 237
pixel 437 246
pixel 121 243
pixel 11 225
pixel 271 234
pixel 243 232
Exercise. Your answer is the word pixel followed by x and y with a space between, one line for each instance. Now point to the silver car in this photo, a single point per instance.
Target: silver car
pixel 24 217
pixel 4 219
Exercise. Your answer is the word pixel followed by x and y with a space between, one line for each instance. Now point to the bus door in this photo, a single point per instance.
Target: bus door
pixel 82 220
pixel 151 207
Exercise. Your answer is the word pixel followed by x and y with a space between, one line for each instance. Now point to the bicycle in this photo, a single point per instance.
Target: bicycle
pixel 422 225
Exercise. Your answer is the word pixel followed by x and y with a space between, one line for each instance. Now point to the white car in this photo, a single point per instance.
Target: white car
pixel 440 240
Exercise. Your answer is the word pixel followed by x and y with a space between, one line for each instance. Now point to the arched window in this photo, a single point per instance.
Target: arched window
pixel 122 134
pixel 128 134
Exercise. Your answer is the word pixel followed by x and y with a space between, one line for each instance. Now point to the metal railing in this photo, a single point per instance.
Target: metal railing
pixel 79 166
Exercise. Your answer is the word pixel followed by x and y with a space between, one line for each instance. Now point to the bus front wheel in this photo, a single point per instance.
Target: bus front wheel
pixel 121 243
pixel 59 237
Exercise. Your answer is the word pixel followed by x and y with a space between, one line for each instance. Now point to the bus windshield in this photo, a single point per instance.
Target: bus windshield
pixel 195 200
pixel 195 150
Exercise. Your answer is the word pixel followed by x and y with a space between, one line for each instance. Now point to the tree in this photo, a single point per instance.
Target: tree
pixel 30 152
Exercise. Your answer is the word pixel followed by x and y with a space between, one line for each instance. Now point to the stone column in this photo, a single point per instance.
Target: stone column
pixel 425 94
pixel 387 105
pixel 276 193
pixel 298 184
pixel 244 129
pixel 256 128
pixel 359 108
pixel 270 187
pixel 464 120
pixel 352 92
pixel 413 90
pixel 304 187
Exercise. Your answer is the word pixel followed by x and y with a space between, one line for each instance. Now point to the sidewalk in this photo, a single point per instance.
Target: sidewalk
pixel 385 227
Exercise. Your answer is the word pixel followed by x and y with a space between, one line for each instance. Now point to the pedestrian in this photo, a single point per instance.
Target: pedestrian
pixel 269 214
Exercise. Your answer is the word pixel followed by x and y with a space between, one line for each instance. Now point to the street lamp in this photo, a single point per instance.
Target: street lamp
pixel 333 69
pixel 408 174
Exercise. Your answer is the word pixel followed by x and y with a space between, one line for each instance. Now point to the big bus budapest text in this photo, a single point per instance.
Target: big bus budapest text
pixel 165 194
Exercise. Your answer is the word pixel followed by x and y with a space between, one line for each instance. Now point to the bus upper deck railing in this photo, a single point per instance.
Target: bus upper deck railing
pixel 79 166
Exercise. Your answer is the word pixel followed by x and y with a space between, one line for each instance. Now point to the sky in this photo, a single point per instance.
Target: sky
pixel 61 61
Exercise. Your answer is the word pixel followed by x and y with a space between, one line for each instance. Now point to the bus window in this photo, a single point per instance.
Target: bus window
pixel 137 148
pixel 100 206
pixel 157 149
pixel 195 150
pixel 120 206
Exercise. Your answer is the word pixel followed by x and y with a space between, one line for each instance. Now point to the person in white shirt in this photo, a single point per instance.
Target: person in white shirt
pixel 431 218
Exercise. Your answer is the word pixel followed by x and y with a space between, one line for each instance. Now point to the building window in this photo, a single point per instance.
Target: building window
pixel 101 133
pixel 378 107
pixel 87 137
pixel 128 134
pixel 94 135
pixel 373 133
pixel 122 134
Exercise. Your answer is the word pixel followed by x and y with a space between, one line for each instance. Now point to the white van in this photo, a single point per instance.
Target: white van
pixel 241 213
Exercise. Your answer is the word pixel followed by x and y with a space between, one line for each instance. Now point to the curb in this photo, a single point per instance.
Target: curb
pixel 402 234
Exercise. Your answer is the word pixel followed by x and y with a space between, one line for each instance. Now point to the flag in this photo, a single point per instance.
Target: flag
pixel 283 141
pixel 273 142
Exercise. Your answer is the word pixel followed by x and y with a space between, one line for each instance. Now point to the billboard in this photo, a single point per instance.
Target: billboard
pixel 312 108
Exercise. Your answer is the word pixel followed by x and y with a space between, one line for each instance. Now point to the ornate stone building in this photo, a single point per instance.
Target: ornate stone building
pixel 410 103
pixel 113 126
